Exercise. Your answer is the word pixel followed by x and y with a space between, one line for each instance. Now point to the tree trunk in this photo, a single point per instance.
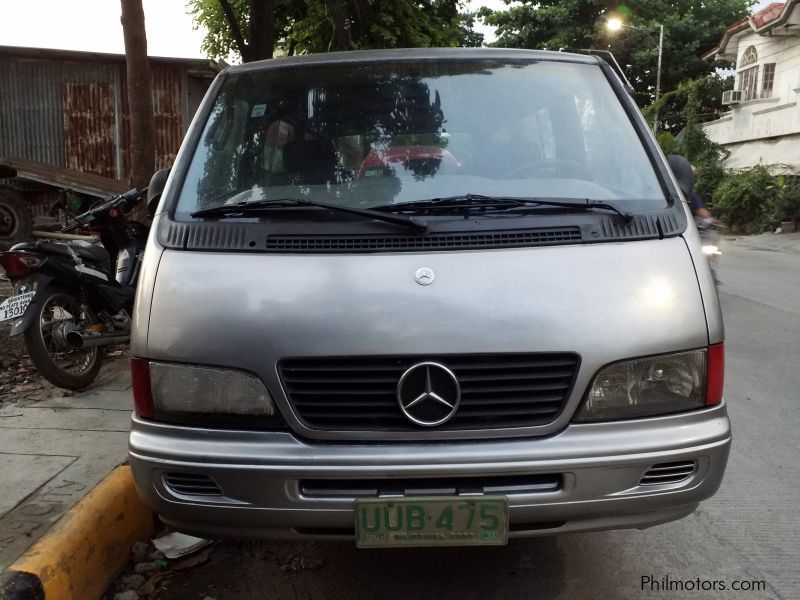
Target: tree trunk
pixel 140 94
pixel 233 26
pixel 261 30
pixel 337 16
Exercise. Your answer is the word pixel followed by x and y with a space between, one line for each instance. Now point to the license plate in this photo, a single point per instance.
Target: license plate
pixel 14 306
pixel 446 521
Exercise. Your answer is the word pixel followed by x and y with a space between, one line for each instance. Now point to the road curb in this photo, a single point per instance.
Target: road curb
pixel 86 548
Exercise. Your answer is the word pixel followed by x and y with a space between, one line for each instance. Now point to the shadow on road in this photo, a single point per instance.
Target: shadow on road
pixel 260 570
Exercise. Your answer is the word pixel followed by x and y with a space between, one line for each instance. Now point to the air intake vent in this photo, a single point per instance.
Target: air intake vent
pixel 192 484
pixel 673 472
pixel 505 485
pixel 445 241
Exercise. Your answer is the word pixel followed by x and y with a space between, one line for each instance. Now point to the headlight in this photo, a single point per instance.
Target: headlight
pixel 650 386
pixel 188 392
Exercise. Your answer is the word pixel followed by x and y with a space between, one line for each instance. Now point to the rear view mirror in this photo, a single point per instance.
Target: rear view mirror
pixel 154 190
pixel 682 169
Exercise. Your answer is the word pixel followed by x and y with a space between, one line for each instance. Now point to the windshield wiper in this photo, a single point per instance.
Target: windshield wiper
pixel 480 201
pixel 244 208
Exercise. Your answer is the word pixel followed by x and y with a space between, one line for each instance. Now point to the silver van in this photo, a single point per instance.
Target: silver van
pixel 424 297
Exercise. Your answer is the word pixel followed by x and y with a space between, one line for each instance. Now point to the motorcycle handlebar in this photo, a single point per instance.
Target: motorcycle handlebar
pixel 127 199
pixel 70 228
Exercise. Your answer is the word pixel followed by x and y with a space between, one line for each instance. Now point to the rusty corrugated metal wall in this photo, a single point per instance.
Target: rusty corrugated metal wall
pixel 75 114
pixel 169 108
pixel 90 128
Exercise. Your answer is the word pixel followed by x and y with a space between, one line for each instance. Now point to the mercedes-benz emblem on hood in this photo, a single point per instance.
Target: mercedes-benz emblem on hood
pixel 428 394
pixel 424 276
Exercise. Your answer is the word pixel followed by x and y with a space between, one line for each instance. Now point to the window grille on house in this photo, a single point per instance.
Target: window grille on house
pixel 748 74
pixel 768 80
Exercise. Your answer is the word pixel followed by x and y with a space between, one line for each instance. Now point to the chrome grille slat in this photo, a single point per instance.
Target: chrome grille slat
pixel 192 484
pixel 518 376
pixel 689 467
pixel 466 403
pixel 666 473
pixel 494 389
pixel 497 391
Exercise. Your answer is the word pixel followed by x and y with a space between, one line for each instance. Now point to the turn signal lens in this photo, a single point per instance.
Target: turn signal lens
pixel 646 387
pixel 140 378
pixel 715 374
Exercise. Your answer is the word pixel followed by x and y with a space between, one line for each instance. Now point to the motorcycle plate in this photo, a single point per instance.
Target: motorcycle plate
pixel 14 306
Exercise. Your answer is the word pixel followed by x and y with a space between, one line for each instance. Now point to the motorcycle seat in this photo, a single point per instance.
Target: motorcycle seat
pixel 88 252
pixel 96 254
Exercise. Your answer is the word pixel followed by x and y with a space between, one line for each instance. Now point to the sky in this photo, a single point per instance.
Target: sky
pixel 94 25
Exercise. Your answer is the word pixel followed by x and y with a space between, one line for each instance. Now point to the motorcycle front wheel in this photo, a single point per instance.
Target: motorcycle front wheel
pixel 60 364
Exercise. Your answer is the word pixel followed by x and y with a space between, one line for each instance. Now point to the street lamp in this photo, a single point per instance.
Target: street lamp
pixel 616 25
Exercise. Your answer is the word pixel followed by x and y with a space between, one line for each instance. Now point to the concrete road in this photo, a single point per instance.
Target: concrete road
pixel 747 533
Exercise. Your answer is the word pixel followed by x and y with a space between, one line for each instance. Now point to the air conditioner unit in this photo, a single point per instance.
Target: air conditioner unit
pixel 732 97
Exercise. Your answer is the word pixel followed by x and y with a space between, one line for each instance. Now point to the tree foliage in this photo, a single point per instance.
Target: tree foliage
pixel 690 29
pixel 708 99
pixel 327 25
pixel 693 143
pixel 243 27
pixel 746 200
pixel 467 36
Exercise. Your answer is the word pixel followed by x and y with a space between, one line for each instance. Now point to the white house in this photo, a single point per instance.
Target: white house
pixel 763 122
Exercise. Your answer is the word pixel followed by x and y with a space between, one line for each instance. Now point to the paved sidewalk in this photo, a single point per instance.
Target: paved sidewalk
pixel 53 452
pixel 782 242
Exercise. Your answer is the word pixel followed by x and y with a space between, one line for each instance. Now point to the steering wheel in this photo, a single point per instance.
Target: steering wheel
pixel 550 167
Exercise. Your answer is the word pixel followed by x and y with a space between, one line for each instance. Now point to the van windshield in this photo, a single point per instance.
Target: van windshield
pixel 368 135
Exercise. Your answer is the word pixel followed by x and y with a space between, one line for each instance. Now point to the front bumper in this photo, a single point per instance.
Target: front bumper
pixel 599 467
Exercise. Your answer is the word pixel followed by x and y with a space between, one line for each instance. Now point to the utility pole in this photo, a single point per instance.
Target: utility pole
pixel 658 77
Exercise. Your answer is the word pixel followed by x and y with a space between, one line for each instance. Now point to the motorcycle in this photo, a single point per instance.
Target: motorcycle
pixel 707 228
pixel 70 301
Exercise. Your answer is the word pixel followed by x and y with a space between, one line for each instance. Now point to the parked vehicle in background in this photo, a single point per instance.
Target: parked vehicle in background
pixel 16 220
pixel 521 340
pixel 69 301
pixel 705 223
pixel 38 196
pixel 710 239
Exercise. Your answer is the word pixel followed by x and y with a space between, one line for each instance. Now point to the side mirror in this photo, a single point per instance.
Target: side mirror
pixel 682 169
pixel 157 183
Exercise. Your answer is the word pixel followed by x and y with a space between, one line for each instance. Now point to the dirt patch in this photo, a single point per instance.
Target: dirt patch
pixel 21 384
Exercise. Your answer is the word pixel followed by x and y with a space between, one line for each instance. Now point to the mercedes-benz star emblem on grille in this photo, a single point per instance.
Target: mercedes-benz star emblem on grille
pixel 424 276
pixel 428 394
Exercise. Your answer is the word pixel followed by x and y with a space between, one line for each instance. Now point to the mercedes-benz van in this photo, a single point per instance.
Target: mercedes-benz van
pixel 424 297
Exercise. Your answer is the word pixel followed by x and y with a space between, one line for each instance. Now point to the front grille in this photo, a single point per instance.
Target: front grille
pixel 672 472
pixel 497 390
pixel 192 484
pixel 506 485
pixel 443 241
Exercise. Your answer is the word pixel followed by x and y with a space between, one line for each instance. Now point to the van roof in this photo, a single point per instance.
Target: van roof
pixel 410 54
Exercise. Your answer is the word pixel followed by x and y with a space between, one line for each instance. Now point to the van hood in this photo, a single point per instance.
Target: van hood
pixel 606 302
